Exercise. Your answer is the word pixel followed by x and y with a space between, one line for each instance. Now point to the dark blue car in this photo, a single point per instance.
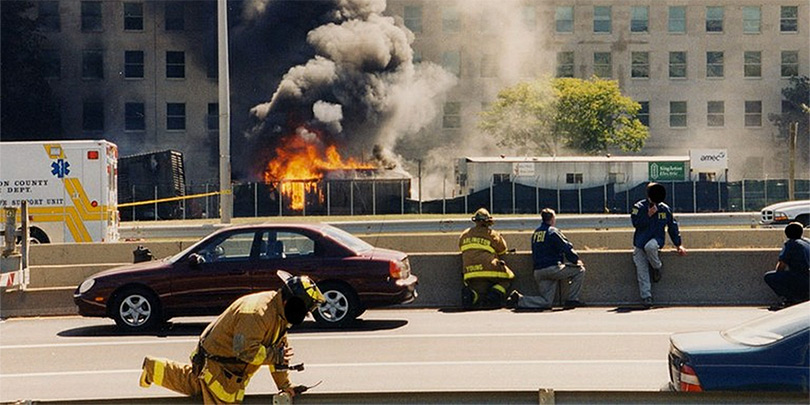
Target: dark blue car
pixel 766 354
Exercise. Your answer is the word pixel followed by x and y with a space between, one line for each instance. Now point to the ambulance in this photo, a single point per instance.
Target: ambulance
pixel 71 188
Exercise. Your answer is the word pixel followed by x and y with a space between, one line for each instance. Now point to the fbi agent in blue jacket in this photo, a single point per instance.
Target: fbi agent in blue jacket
pixel 652 219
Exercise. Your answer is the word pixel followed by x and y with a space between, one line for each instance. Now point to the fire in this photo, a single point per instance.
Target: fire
pixel 301 162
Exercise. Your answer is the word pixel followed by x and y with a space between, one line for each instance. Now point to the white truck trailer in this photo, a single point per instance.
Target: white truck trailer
pixel 70 186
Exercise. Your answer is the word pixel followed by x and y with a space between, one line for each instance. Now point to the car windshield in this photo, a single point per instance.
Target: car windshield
pixel 352 242
pixel 771 328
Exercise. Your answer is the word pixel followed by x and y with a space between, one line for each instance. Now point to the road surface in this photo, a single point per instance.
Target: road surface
pixel 389 350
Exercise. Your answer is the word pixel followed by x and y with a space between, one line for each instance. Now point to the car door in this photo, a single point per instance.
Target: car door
pixel 283 249
pixel 222 276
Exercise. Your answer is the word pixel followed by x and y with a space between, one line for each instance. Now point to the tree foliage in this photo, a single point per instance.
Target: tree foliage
pixel 796 108
pixel 589 116
pixel 29 109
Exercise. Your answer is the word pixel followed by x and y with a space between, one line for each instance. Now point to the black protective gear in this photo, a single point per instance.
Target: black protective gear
pixel 495 298
pixel 468 297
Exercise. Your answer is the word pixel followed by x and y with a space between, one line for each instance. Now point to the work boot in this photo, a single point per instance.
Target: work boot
pixel 143 381
pixel 655 274
pixel 648 302
pixel 571 304
pixel 513 299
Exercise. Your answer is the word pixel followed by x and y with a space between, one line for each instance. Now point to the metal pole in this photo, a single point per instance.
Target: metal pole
pixel 742 191
pixel 351 197
pixel 719 198
pixel 794 130
pixel 444 195
pixel 255 199
pixel 156 204
pixel 133 200
pixel 226 196
pixel 373 196
pixel 513 194
pixel 694 196
pixel 491 197
pixel 579 198
pixel 420 186
pixel 537 195
pixel 280 197
pixel 207 210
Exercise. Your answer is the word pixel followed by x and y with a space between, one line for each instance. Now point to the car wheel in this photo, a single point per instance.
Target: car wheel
pixel 136 309
pixel 341 307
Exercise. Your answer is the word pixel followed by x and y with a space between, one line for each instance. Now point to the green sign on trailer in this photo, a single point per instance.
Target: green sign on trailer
pixel 667 171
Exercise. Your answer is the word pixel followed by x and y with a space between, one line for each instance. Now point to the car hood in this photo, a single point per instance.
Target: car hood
pixel 384 254
pixel 787 205
pixel 132 268
pixel 698 343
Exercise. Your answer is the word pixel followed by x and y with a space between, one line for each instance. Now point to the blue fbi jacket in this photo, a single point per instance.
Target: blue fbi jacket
pixel 549 247
pixel 796 254
pixel 652 227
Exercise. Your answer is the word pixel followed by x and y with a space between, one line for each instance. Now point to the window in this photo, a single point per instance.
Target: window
pixel 573 178
pixel 52 62
pixel 640 64
pixel 529 15
pixel 498 178
pixel 677 114
pixel 677 65
pixel 602 65
pixel 752 20
pixel 133 64
pixel 789 19
pixel 48 16
pixel 564 19
pixel 489 65
pixel 676 23
pixel 175 116
pixel 639 19
pixel 753 113
pixel 134 117
pixel 617 178
pixel 565 64
pixel 714 64
pixel 413 18
pixel 91 16
pixel 452 115
pixel 715 113
pixel 92 64
pixel 234 247
pixel 451 20
pixel 213 117
pixel 93 116
pixel 790 63
pixel 133 16
pixel 644 113
pixel 601 19
pixel 175 64
pixel 175 16
pixel 752 64
pixel 451 61
pixel 714 19
pixel 707 176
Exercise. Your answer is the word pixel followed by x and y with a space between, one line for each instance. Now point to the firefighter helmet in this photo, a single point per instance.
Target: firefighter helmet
pixel 303 288
pixel 482 215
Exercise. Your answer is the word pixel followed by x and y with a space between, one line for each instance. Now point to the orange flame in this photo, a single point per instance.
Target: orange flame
pixel 300 164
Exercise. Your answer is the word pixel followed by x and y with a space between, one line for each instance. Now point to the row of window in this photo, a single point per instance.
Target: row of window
pixel 135 116
pixel 677 64
pixel 640 62
pixel 678 114
pixel 49 19
pixel 751 17
pixel 92 67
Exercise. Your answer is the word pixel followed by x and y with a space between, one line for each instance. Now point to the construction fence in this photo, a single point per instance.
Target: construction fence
pixel 393 196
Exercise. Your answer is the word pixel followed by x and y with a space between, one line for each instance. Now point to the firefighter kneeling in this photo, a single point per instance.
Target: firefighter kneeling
pixel 486 276
pixel 250 333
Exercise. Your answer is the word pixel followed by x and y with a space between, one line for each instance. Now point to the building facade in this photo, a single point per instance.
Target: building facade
pixel 706 73
pixel 141 74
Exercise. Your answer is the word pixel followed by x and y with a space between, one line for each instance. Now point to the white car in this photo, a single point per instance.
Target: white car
pixel 786 212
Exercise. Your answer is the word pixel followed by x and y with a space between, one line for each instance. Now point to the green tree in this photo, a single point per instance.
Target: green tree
pixel 589 116
pixel 522 117
pixel 29 109
pixel 796 107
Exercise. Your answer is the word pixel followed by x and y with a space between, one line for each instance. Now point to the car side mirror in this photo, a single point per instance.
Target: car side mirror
pixel 195 259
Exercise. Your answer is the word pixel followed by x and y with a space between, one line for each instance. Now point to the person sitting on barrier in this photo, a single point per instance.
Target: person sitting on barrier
pixel 486 276
pixel 550 249
pixel 790 280
pixel 652 219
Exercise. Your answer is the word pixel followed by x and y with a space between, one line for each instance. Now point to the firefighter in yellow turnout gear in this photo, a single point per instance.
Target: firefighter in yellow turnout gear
pixel 250 333
pixel 486 276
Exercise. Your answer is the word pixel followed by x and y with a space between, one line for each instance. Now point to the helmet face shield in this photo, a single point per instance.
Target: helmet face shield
pixel 303 288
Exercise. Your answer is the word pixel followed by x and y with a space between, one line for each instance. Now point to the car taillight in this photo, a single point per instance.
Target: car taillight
pixel 399 269
pixel 689 380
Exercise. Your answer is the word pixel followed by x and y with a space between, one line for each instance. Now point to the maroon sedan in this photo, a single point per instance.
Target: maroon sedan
pixel 205 278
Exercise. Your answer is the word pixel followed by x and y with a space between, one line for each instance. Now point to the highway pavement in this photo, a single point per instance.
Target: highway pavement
pixel 388 350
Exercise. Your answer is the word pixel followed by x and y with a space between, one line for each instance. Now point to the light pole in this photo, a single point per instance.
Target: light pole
pixel 226 195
